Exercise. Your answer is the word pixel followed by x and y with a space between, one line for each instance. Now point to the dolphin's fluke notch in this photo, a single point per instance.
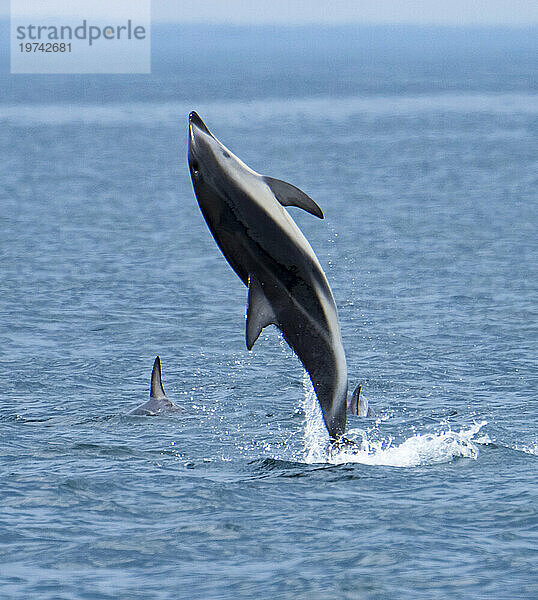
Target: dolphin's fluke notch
pixel 157 390
pixel 289 195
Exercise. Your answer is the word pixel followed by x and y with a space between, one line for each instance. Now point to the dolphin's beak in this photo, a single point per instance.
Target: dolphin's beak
pixel 195 122
pixel 191 127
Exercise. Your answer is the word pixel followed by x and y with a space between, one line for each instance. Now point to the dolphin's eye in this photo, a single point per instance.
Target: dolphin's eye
pixel 195 168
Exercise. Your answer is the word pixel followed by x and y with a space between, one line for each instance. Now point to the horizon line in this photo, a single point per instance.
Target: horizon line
pixel 343 23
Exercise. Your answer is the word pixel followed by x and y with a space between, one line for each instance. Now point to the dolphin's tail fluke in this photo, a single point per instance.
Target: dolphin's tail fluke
pixel 359 404
pixel 157 390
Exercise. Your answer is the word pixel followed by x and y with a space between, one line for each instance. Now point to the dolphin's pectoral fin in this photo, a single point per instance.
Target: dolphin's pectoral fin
pixel 289 195
pixel 259 312
pixel 157 390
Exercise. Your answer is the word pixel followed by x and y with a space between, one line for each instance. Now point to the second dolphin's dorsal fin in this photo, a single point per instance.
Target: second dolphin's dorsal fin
pixel 354 403
pixel 359 404
pixel 289 195
pixel 157 390
pixel 259 311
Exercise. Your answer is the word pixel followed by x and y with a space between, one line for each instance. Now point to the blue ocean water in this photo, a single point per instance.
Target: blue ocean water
pixel 426 168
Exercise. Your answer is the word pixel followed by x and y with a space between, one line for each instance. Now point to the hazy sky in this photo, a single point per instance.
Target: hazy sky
pixel 446 12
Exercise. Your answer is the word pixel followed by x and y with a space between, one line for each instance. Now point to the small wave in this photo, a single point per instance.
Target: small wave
pixel 418 450
pixel 20 419
pixel 270 467
pixel 530 448
pixel 105 450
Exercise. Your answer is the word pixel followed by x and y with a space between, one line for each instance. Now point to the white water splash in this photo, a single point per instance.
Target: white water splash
pixel 419 449
pixel 316 437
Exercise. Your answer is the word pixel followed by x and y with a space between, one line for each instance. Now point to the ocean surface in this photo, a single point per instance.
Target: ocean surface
pixel 425 164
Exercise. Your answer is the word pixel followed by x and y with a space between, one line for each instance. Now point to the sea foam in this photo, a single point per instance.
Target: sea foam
pixel 417 450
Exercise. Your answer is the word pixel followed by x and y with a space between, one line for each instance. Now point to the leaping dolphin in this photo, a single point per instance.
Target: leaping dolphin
pixel 158 402
pixel 286 284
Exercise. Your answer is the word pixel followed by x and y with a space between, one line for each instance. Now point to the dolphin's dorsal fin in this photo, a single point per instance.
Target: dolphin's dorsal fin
pixel 359 404
pixel 259 311
pixel 354 404
pixel 289 195
pixel 157 390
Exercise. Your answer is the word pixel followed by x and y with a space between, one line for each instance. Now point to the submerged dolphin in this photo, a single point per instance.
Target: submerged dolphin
pixel 286 284
pixel 158 402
